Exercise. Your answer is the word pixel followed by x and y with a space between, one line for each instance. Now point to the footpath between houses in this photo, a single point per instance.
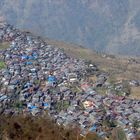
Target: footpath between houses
pixel 36 78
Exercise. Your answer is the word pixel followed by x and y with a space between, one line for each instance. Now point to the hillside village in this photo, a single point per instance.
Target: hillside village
pixel 37 78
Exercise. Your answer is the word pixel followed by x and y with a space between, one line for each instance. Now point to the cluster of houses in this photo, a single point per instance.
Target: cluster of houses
pixel 39 78
pixel 135 83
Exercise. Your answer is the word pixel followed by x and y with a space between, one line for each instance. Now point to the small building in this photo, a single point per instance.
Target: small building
pixel 72 77
pixel 52 79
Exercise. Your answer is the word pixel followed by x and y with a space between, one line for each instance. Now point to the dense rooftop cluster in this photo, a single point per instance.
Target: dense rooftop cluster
pixel 39 78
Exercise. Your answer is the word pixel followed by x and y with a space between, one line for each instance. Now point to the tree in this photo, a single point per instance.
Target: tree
pixel 136 124
pixel 92 136
pixel 118 134
pixel 126 88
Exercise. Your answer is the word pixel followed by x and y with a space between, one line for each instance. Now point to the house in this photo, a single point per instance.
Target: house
pixel 88 104
pixel 28 65
pixel 72 77
pixel 52 79
pixel 134 83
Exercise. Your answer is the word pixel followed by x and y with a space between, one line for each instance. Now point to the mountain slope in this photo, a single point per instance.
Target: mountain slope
pixel 110 26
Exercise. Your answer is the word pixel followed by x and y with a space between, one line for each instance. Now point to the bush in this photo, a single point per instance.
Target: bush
pixel 21 127
pixel 2 65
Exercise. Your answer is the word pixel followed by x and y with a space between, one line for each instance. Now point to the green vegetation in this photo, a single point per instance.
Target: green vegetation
pixel 2 65
pixel 4 45
pixel 37 81
pixel 90 136
pixel 101 90
pixel 111 79
pixel 75 89
pixel 120 93
pixel 126 88
pixel 62 105
pixel 136 124
pixel 118 134
pixel 109 123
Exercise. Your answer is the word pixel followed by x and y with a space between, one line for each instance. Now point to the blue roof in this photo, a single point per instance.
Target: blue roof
pixel 16 82
pixel 31 58
pixel 93 128
pixel 46 104
pixel 32 107
pixel 27 84
pixel 29 63
pixel 34 54
pixel 3 97
pixel 24 57
pixel 51 79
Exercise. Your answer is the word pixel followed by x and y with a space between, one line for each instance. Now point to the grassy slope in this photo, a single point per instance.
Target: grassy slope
pixel 119 68
pixel 4 45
